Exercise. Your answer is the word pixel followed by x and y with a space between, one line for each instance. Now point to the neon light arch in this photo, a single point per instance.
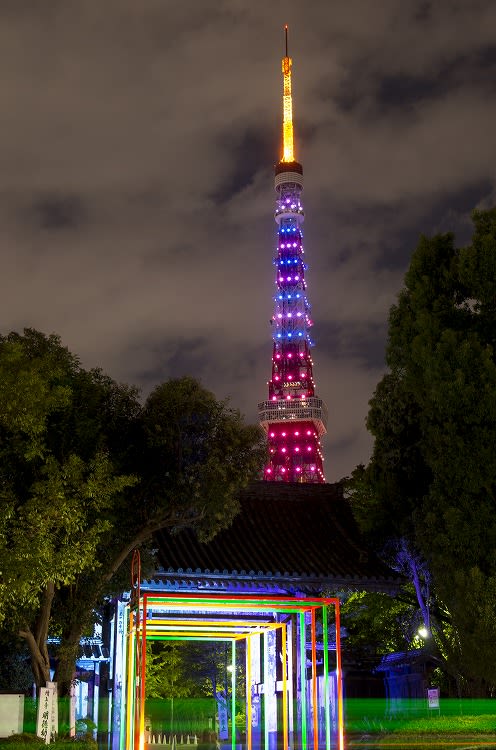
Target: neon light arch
pixel 254 619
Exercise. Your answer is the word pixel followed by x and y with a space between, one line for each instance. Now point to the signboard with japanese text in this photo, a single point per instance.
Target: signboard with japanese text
pixel 433 697
pixel 47 718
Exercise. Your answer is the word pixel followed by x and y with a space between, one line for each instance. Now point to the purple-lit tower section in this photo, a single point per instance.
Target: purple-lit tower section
pixel 294 418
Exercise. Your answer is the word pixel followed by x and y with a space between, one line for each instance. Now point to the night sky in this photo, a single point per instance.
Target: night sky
pixel 137 147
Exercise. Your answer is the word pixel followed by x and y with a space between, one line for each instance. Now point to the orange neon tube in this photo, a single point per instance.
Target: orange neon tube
pixel 130 681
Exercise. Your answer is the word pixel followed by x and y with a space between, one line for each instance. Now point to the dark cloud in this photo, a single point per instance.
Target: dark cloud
pixel 358 341
pixel 136 189
pixel 250 151
pixel 58 212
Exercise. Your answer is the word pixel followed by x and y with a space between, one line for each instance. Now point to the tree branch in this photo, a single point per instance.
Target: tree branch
pixel 145 535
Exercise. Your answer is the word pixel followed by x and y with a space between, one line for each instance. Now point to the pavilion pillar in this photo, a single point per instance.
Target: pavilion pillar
pixel 254 716
pixel 270 695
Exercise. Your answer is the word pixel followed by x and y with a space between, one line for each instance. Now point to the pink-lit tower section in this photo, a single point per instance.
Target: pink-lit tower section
pixel 294 417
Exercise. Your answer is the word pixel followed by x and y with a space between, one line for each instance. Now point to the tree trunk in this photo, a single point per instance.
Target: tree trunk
pixel 66 663
pixel 37 640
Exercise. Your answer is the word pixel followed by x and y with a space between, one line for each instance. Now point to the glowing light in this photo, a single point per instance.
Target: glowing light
pixel 287 107
pixel 290 383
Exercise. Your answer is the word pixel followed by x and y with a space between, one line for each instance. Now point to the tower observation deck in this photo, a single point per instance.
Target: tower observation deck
pixel 293 417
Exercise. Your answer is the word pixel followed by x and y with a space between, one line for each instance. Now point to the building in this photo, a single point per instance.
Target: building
pixel 295 543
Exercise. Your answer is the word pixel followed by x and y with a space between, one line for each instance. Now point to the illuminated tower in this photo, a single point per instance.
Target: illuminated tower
pixel 294 418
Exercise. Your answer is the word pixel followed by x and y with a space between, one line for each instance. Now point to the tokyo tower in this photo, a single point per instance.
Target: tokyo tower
pixel 293 417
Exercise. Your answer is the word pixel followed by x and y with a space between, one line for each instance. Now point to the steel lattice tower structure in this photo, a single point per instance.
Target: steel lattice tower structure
pixel 294 418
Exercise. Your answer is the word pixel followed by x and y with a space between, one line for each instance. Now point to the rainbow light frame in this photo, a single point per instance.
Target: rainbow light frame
pixel 195 616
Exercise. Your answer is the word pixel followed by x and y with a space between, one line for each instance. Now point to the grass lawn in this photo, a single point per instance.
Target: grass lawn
pixel 457 725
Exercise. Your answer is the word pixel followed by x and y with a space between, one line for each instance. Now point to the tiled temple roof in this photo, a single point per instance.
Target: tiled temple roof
pixel 287 537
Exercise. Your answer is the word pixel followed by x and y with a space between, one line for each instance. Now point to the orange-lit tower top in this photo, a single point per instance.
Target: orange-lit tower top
pixel 294 417
pixel 287 99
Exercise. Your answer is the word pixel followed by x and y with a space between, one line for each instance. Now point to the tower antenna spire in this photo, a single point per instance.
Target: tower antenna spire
pixel 287 106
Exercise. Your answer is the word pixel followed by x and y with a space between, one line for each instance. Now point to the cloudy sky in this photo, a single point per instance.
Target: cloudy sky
pixel 136 179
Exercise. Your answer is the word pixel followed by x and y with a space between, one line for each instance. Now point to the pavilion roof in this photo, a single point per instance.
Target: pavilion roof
pixel 287 537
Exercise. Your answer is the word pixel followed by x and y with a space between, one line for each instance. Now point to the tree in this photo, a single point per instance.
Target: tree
pixel 166 676
pixel 88 474
pixel 432 475
pixel 192 454
pixel 378 624
pixel 53 501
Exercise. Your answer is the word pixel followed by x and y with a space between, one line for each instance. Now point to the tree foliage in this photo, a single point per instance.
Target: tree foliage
pixel 432 476
pixel 378 624
pixel 166 676
pixel 88 473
